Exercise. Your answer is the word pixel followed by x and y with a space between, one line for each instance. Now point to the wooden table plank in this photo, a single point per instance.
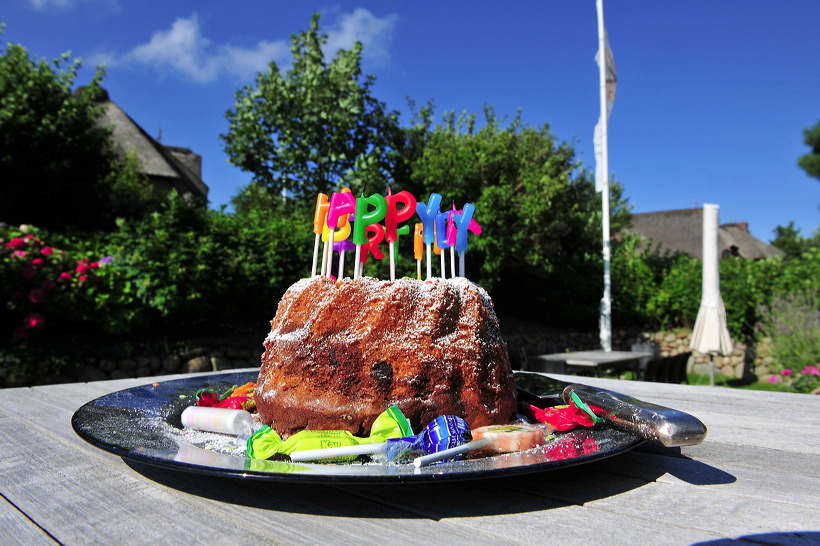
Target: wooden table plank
pixel 755 476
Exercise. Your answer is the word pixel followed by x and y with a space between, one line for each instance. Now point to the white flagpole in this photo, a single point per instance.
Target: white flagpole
pixel 606 301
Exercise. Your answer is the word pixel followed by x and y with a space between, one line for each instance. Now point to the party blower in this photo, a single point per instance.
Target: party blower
pixel 666 426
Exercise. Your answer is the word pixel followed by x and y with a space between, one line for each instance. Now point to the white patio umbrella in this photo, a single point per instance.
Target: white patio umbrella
pixel 711 336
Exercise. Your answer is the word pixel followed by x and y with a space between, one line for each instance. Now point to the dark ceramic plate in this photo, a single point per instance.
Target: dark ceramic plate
pixel 143 424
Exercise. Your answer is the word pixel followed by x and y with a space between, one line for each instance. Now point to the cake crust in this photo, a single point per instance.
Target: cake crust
pixel 340 353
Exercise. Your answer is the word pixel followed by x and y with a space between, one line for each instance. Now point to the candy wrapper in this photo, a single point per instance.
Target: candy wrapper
pixel 234 398
pixel 568 417
pixel 444 432
pixel 266 442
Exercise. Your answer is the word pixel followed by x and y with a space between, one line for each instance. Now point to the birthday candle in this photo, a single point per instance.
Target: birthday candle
pixel 464 224
pixel 393 217
pixel 342 204
pixel 427 213
pixel 319 216
pixel 418 250
pixel 369 211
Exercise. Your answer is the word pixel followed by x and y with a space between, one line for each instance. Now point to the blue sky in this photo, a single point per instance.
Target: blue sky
pixel 712 96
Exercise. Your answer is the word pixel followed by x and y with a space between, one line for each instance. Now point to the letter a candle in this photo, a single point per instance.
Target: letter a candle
pixel 341 206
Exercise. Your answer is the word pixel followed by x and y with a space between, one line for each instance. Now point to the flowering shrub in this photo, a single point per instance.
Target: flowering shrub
pixel 43 285
pixel 806 380
pixel 793 324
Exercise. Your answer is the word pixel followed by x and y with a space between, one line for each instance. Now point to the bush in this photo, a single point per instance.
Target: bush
pixel 50 281
pixel 792 323
pixel 195 267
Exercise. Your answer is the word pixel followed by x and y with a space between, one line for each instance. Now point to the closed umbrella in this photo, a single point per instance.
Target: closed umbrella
pixel 711 336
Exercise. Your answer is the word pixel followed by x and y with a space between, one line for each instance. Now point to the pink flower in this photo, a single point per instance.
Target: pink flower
pixel 82 268
pixel 32 321
pixel 83 278
pixel 64 276
pixel 787 372
pixel 773 379
pixel 37 295
pixel 19 253
pixel 19 333
pixel 46 251
pixel 94 265
pixel 37 262
pixel 811 370
pixel 17 242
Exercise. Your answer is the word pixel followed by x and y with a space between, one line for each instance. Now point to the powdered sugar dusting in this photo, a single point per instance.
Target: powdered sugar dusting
pixel 339 352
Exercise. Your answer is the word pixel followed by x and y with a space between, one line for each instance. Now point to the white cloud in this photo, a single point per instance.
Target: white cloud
pixel 375 35
pixel 45 5
pixel 181 48
pixel 185 50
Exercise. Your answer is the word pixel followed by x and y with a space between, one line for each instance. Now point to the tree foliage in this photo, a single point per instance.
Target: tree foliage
pixel 810 162
pixel 315 126
pixel 54 159
pixel 537 206
pixel 789 240
pixel 57 166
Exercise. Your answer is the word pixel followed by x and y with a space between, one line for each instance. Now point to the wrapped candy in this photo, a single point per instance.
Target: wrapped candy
pixel 266 442
pixel 442 433
pixel 568 417
pixel 234 398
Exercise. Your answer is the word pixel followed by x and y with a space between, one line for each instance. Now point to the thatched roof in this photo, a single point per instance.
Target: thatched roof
pixel 167 166
pixel 682 230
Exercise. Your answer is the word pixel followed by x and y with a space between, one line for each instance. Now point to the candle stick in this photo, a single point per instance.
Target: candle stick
pixel 418 249
pixel 342 246
pixel 441 239
pixel 452 232
pixel 427 213
pixel 465 224
pixel 394 216
pixel 318 221
pixel 342 204
pixel 369 211
pixel 371 244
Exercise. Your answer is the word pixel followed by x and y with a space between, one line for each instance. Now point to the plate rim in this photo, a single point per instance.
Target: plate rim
pixel 437 473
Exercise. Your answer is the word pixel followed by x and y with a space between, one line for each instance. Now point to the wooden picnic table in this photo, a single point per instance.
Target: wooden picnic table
pixel 596 361
pixel 756 476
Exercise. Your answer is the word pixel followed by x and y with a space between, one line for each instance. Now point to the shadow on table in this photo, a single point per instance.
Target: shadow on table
pixel 572 486
pixel 792 537
pixel 685 468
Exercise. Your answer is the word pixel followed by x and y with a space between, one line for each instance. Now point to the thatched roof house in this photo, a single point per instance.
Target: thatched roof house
pixel 168 167
pixel 682 230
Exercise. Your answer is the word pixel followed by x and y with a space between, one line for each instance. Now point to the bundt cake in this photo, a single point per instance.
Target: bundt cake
pixel 340 352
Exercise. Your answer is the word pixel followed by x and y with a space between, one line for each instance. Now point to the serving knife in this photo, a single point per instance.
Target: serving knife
pixel 666 426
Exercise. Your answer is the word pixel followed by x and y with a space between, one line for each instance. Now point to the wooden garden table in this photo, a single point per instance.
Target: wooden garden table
pixel 756 476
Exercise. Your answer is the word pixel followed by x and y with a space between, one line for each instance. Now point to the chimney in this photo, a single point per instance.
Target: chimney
pixel 744 226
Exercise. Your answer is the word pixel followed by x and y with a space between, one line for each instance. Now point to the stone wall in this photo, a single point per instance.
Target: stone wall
pixel 740 364
pixel 232 353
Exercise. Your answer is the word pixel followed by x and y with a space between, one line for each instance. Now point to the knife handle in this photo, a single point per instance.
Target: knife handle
pixel 669 427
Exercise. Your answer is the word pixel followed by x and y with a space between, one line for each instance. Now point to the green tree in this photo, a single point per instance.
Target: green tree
pixel 789 240
pixel 55 161
pixel 538 208
pixel 314 127
pixel 810 162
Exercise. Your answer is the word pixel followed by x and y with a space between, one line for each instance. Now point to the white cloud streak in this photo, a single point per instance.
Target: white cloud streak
pixel 375 35
pixel 184 49
pixel 65 5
